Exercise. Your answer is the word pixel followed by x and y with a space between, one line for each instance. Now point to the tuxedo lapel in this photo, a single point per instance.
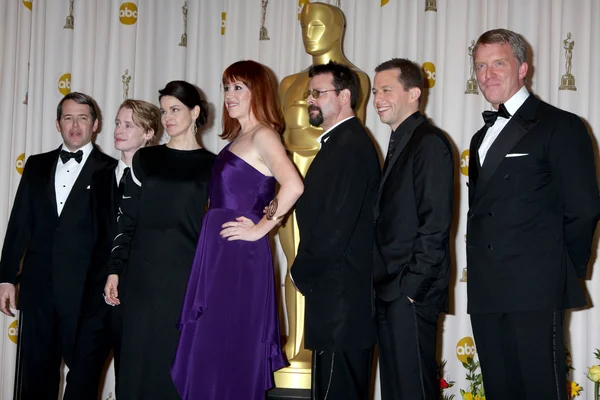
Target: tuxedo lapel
pixel 518 126
pixel 474 162
pixel 50 188
pixel 399 149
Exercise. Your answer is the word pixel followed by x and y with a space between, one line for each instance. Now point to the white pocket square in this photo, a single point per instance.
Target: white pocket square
pixel 88 187
pixel 517 155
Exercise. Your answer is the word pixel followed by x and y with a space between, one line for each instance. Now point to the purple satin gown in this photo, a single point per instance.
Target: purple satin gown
pixel 230 343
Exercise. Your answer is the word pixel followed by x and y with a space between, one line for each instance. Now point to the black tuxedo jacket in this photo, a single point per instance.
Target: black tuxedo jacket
pixel 105 206
pixel 533 208
pixel 56 251
pixel 333 266
pixel 413 215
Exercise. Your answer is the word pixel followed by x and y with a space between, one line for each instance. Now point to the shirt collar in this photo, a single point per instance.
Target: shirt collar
pixel 406 122
pixel 87 149
pixel 120 168
pixel 329 130
pixel 517 100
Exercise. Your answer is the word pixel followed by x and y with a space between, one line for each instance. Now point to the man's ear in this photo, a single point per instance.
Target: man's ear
pixel 414 94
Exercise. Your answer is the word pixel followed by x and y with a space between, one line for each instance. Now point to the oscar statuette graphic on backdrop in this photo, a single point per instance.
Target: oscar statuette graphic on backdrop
pixel 567 81
pixel 472 82
pixel 184 11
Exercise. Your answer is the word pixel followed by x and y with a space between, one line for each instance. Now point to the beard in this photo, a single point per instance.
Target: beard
pixel 315 120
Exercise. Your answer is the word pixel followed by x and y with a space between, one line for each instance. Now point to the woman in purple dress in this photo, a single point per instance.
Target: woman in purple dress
pixel 230 342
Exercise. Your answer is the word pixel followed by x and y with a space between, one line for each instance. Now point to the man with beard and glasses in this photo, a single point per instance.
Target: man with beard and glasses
pixel 333 266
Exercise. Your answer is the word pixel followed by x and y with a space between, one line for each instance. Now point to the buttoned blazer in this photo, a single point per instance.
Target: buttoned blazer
pixel 533 208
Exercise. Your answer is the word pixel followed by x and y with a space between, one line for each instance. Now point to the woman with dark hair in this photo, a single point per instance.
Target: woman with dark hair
pixel 152 254
pixel 230 343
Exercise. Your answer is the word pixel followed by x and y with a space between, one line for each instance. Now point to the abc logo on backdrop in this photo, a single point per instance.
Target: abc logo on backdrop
pixel 464 163
pixel 465 348
pixel 429 74
pixel 28 4
pixel 13 330
pixel 128 13
pixel 20 164
pixel 64 84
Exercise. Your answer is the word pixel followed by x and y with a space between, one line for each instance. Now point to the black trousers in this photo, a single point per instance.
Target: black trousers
pixel 407 334
pixel 522 354
pixel 47 337
pixel 341 375
pixel 99 332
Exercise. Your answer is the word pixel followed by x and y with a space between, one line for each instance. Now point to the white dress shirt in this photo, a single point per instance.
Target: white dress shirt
pixel 329 130
pixel 66 175
pixel 512 105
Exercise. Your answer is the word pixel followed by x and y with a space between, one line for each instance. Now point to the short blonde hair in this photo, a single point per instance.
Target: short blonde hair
pixel 147 116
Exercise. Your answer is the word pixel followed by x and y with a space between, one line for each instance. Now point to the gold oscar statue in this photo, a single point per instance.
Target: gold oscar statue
pixel 322 31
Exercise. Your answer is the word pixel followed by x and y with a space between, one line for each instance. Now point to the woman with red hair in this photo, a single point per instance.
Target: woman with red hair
pixel 230 342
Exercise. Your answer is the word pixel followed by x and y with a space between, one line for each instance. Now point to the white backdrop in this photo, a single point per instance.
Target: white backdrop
pixel 40 60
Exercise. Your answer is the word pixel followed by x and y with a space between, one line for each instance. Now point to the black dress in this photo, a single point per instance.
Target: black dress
pixel 153 251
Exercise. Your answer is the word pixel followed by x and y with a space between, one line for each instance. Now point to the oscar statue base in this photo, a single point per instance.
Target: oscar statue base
pixel 567 82
pixel 471 87
pixel 288 394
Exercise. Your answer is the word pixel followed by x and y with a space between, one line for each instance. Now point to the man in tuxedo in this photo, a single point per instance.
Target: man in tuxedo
pixel 136 125
pixel 413 216
pixel 333 265
pixel 51 229
pixel 533 208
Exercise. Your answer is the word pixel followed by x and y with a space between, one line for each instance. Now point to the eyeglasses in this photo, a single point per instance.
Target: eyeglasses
pixel 317 93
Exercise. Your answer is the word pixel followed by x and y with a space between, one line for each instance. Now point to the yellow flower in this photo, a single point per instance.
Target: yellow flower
pixel 594 373
pixel 573 389
pixel 467 396
pixel 478 397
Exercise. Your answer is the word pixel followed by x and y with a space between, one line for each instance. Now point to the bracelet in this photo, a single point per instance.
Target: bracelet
pixel 276 218
pixel 271 210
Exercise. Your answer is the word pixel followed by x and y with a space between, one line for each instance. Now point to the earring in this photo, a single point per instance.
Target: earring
pixel 195 129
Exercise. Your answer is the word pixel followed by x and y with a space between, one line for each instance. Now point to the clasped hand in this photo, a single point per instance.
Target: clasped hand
pixel 241 229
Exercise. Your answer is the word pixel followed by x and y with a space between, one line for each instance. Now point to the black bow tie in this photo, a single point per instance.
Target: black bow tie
pixel 490 116
pixel 65 156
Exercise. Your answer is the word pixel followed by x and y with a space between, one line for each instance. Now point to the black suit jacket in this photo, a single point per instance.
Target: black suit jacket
pixel 533 208
pixel 333 267
pixel 413 216
pixel 57 250
pixel 105 206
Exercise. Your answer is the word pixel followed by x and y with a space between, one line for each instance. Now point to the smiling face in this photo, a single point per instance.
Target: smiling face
pixel 237 99
pixel 498 72
pixel 176 117
pixel 75 125
pixel 392 101
pixel 128 135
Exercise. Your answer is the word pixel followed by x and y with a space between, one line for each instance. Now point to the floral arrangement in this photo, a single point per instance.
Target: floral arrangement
pixel 475 390
pixel 573 388
pixel 444 383
pixel 594 375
